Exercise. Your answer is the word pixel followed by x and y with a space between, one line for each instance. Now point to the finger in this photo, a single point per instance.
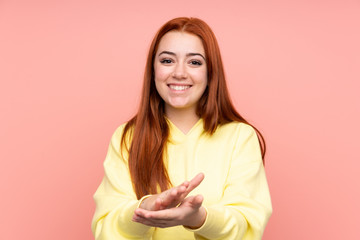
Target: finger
pixel 185 184
pixel 193 202
pixel 169 197
pixel 161 215
pixel 182 188
pixel 195 182
pixel 174 197
pixel 150 222
pixel 157 204
pixel 197 201
pixel 197 179
pixel 150 215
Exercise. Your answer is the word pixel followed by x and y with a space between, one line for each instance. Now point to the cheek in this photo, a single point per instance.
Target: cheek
pixel 161 73
pixel 201 77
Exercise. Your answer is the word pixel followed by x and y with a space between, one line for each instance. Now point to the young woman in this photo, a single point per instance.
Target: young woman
pixel 186 128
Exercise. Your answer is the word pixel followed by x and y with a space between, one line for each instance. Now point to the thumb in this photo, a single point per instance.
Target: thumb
pixel 197 201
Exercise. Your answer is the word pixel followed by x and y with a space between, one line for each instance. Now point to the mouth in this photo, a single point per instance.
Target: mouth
pixel 179 87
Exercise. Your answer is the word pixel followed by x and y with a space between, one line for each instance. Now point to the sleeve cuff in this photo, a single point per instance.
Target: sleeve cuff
pixel 142 199
pixel 128 226
pixel 219 222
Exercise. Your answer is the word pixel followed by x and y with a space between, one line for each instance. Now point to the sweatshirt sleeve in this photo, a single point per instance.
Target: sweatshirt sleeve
pixel 245 206
pixel 115 199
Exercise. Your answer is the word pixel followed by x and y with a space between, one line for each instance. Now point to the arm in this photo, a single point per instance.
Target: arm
pixel 115 199
pixel 171 197
pixel 243 210
pixel 245 206
pixel 168 214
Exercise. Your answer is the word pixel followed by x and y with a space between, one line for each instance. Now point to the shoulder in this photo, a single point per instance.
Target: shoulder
pixel 115 150
pixel 119 131
pixel 236 129
pixel 245 141
pixel 117 135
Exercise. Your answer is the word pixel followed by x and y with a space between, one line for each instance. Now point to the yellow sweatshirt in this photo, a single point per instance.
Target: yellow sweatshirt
pixel 235 189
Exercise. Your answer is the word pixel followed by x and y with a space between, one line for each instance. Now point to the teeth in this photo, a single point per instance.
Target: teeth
pixel 179 88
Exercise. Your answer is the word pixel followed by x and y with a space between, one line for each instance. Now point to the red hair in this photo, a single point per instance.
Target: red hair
pixel 149 129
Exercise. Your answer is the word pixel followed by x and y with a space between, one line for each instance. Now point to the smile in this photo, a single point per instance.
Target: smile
pixel 179 87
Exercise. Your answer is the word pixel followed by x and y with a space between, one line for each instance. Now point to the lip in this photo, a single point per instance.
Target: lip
pixel 179 87
pixel 180 84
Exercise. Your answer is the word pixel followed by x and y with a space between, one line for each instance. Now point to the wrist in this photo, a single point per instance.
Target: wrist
pixel 142 202
pixel 198 220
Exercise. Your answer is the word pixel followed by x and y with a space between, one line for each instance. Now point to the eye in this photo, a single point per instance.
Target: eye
pixel 166 61
pixel 196 62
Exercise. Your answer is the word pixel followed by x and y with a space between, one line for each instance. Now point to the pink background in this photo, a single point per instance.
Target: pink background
pixel 71 72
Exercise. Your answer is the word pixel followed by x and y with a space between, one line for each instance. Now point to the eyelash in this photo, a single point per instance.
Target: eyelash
pixel 166 61
pixel 193 62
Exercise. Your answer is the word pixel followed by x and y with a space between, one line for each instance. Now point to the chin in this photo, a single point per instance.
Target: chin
pixel 179 106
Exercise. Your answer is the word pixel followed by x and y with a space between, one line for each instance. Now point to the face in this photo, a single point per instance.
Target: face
pixel 180 71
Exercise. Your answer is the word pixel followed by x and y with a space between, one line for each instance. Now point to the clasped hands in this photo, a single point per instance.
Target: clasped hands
pixel 173 207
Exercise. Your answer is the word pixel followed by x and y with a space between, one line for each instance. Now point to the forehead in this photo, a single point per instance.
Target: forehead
pixel 181 42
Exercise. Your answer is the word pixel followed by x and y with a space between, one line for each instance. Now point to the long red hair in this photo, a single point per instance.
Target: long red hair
pixel 149 130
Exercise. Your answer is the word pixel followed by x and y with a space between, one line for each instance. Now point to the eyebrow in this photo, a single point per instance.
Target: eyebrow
pixel 188 54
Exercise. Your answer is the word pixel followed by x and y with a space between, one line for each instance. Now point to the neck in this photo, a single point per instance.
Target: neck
pixel 184 119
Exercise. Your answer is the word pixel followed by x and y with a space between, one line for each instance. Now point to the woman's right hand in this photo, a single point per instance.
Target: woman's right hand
pixel 171 197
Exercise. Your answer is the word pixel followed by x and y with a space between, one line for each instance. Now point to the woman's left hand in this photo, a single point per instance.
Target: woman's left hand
pixel 189 213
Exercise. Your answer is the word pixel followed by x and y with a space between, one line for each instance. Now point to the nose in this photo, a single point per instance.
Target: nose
pixel 180 71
